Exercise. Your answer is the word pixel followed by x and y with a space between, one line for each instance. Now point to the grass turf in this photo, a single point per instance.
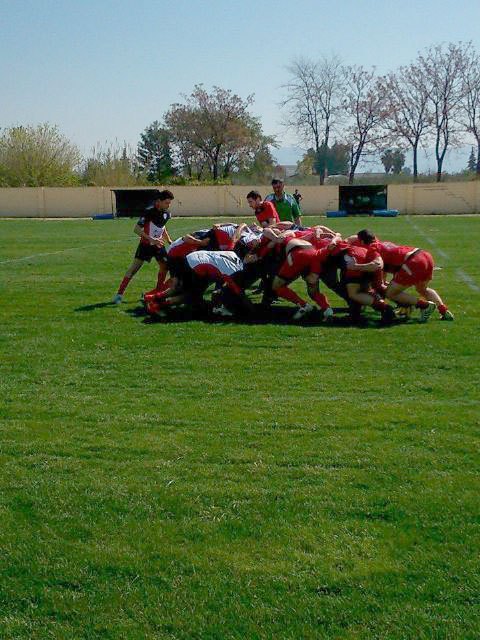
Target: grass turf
pixel 214 481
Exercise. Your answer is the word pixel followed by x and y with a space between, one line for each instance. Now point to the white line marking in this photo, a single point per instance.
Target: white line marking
pixel 54 253
pixel 469 281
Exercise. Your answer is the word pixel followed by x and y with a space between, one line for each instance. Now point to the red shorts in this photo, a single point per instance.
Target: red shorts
pixel 303 262
pixel 418 268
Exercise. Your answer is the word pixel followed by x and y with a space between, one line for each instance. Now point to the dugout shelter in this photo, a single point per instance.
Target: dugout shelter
pixel 131 203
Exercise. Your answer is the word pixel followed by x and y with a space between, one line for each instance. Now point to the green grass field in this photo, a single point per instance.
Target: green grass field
pixel 232 481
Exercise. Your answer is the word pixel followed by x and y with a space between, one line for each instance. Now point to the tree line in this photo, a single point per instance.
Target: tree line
pixel 343 114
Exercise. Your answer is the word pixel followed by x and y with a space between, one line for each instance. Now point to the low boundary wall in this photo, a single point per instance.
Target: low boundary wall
pixel 224 200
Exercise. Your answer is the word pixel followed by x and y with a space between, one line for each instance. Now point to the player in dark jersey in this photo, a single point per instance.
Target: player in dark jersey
pixel 151 228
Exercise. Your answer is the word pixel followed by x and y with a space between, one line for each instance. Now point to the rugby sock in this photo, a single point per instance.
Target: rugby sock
pixel 123 285
pixel 442 309
pixel 287 294
pixel 422 304
pixel 321 300
pixel 161 279
pixel 232 285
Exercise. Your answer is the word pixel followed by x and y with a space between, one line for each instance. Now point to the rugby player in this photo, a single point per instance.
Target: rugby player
pixel 410 267
pixel 286 205
pixel 151 227
pixel 265 212
pixel 302 259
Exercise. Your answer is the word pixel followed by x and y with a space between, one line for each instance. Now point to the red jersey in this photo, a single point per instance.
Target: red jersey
pixel 224 236
pixel 180 248
pixel 393 255
pixel 265 212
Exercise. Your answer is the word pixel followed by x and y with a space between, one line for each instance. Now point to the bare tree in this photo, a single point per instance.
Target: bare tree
pixel 470 105
pixel 441 69
pixel 408 116
pixel 365 106
pixel 313 99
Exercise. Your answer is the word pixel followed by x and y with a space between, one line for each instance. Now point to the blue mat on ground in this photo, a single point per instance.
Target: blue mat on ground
pixel 336 214
pixel 103 216
pixel 385 213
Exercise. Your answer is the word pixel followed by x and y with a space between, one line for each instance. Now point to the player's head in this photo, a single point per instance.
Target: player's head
pixel 253 199
pixel 366 236
pixel 277 186
pixel 163 200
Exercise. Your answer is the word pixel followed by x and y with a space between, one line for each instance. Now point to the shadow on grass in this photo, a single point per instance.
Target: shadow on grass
pixel 277 315
pixel 98 305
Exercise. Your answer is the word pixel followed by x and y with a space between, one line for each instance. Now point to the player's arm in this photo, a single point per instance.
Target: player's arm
pixel 352 239
pixel 238 233
pixel 167 235
pixel 297 214
pixel 139 230
pixel 271 234
pixel 195 241
pixel 374 265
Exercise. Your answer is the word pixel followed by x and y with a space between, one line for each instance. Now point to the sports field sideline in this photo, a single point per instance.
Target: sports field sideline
pixel 194 480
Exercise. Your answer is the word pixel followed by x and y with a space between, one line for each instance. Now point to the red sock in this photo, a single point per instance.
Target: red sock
pixel 123 285
pixel 321 300
pixel 161 279
pixel 442 308
pixel 421 304
pixel 287 294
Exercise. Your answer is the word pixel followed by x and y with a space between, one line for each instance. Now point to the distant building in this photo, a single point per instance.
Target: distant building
pixel 284 171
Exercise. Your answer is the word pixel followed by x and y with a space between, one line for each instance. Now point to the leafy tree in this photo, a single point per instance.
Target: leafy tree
pixel 393 160
pixel 305 166
pixel 37 156
pixel 154 155
pixel 332 160
pixel 214 131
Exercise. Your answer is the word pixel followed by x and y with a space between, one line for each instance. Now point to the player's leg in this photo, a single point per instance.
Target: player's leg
pixel 432 296
pixel 317 296
pixel 131 271
pixel 396 292
pixel 162 270
pixel 357 294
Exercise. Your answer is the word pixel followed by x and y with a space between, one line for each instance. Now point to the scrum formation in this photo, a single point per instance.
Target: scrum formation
pixel 269 255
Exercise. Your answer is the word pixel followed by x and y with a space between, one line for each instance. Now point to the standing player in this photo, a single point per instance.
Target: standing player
pixel 152 231
pixel 286 205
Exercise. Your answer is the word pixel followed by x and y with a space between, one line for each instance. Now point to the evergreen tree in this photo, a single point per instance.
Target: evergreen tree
pixel 154 155
pixel 472 162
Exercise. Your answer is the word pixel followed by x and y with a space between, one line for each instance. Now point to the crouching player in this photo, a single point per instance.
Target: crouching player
pixel 411 267
pixel 361 268
pixel 203 268
pixel 302 259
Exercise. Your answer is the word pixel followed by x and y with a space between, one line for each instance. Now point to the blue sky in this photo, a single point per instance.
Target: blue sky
pixel 105 70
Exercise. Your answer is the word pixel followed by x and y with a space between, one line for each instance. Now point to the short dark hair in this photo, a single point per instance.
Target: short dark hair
pixel 277 181
pixel 165 195
pixel 366 236
pixel 254 195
